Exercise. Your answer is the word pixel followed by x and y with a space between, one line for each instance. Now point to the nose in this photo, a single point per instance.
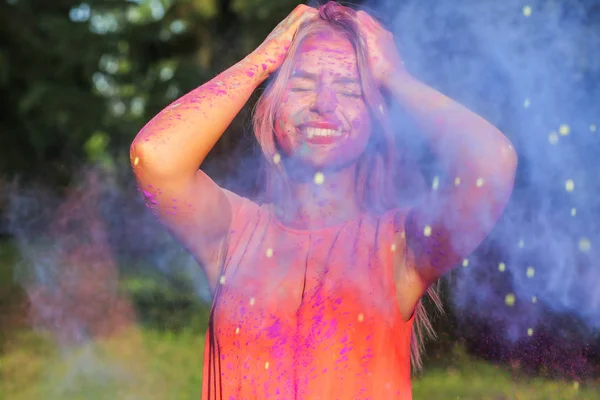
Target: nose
pixel 325 101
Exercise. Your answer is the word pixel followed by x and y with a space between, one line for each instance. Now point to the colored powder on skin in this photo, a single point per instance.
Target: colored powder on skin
pixel 304 149
pixel 149 197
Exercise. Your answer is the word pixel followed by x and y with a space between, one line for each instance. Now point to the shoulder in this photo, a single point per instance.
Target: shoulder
pixel 243 208
pixel 246 215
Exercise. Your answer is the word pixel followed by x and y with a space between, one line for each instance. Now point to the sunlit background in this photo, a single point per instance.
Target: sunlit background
pixel 98 302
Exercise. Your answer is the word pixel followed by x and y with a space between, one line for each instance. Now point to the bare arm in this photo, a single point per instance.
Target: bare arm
pixel 177 140
pixel 481 164
pixel 478 158
pixel 167 153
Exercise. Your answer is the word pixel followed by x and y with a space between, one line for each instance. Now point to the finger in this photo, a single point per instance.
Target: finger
pixel 308 15
pixel 300 15
pixel 364 21
pixel 300 8
pixel 369 20
pixel 363 16
pixel 303 10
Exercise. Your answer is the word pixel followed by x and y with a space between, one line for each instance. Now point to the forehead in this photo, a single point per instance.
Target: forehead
pixel 327 52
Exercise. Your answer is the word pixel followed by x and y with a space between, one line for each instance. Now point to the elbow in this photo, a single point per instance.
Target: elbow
pixel 142 156
pixel 508 153
pixel 507 161
pixel 150 159
pixel 510 161
pixel 135 154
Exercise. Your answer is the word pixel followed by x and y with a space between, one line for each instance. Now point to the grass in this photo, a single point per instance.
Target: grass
pixel 135 365
pixel 141 364
pixel 472 379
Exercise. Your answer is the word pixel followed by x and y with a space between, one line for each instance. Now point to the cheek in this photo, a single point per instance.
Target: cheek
pixel 288 115
pixel 284 126
pixel 284 119
pixel 359 118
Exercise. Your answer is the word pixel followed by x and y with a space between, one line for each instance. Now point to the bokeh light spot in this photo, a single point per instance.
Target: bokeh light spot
pixel 501 267
pixel 267 365
pixel 564 130
pixel 269 252
pixel 569 185
pixel 466 262
pixel 527 11
pixel 427 231
pixel 436 183
pixel 319 178
pixel 136 161
pixel 530 272
pixel 527 103
pixel 457 181
pixel 237 330
pixel 393 247
pixel 252 301
pixel 277 158
pixel 530 332
pixel 534 299
pixel 222 280
pixel 521 243
pixel 553 138
pixel 584 244
pixel 479 182
pixel 510 299
pixel 361 317
pixel 573 212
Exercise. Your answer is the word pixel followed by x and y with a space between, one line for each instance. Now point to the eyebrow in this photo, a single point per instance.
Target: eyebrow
pixel 299 73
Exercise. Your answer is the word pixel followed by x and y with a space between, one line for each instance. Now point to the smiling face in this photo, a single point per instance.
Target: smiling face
pixel 323 121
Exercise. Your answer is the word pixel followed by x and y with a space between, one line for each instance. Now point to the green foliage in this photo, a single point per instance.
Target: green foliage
pixel 12 295
pixel 170 305
pixel 80 81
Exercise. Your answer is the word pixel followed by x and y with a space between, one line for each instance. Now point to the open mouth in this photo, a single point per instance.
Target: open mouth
pixel 321 135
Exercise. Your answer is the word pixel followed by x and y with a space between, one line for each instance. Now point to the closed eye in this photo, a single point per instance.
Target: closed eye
pixel 350 94
pixel 301 89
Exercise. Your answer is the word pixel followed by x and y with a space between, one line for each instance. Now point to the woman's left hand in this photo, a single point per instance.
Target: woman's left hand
pixel 384 58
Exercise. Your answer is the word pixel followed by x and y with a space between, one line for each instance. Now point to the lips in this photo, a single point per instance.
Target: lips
pixel 321 132
pixel 322 125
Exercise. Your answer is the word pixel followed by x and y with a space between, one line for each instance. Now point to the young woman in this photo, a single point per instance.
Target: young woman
pixel 317 288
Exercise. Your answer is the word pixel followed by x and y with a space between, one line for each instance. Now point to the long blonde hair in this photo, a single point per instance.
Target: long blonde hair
pixel 380 169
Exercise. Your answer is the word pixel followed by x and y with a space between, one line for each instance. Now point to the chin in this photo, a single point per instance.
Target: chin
pixel 305 159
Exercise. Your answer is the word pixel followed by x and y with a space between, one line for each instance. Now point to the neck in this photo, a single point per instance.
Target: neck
pixel 319 203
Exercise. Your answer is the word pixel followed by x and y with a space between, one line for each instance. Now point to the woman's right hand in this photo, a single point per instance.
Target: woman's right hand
pixel 270 54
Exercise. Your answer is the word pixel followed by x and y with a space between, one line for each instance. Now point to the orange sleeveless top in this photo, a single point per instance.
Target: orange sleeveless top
pixel 307 315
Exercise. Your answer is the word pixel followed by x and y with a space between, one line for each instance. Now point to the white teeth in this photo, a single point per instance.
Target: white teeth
pixel 310 132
